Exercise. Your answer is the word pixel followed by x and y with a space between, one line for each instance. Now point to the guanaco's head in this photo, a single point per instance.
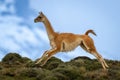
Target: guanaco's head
pixel 40 18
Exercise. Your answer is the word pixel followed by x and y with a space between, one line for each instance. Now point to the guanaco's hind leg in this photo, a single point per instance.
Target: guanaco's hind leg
pixel 83 46
pixel 99 57
pixel 89 47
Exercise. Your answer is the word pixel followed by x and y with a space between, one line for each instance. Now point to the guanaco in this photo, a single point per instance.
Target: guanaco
pixel 64 42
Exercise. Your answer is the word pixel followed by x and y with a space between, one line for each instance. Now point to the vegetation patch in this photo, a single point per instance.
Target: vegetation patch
pixel 15 67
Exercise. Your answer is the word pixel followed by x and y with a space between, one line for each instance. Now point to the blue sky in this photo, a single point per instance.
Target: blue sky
pixel 20 34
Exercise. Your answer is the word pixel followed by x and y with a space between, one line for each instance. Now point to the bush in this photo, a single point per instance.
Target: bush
pixel 1 66
pixel 43 73
pixel 50 78
pixel 12 58
pixel 77 63
pixel 52 63
pixel 60 76
pixel 96 75
pixel 80 68
pixel 71 72
pixel 82 57
pixel 114 74
pixel 31 64
pixel 8 71
pixel 28 72
pixel 26 60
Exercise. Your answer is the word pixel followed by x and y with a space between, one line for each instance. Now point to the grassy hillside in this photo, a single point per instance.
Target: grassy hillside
pixel 15 67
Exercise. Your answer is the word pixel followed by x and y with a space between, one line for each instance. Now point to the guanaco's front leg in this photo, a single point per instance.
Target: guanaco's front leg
pixel 43 56
pixel 47 55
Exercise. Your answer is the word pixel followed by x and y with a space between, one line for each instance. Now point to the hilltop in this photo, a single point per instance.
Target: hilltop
pixel 15 67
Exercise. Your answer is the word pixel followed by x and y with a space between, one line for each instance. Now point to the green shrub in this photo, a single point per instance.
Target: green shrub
pixel 52 63
pixel 114 74
pixel 15 67
pixel 77 62
pixel 96 75
pixel 82 57
pixel 8 71
pixel 26 60
pixel 60 76
pixel 28 72
pixel 12 58
pixel 43 73
pixel 31 64
pixel 71 72
pixel 1 66
pixel 50 78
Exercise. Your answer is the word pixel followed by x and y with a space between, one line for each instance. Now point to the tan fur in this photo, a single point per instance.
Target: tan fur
pixel 90 31
pixel 64 42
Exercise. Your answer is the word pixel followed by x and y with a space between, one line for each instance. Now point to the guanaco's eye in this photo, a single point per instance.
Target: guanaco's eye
pixel 40 17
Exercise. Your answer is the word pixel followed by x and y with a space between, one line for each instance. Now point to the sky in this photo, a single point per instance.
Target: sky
pixel 19 33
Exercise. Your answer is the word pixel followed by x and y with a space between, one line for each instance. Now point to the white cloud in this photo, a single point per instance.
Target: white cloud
pixel 10 19
pixel 12 9
pixel 34 4
pixel 43 34
pixel 18 38
pixel 9 1
pixel 3 8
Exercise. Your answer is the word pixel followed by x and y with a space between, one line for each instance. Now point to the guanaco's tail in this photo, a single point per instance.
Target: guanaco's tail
pixel 90 31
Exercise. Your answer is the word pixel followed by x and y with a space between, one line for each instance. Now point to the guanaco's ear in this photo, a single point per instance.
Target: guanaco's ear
pixel 41 13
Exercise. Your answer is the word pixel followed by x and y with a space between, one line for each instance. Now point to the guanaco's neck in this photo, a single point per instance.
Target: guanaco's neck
pixel 49 29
